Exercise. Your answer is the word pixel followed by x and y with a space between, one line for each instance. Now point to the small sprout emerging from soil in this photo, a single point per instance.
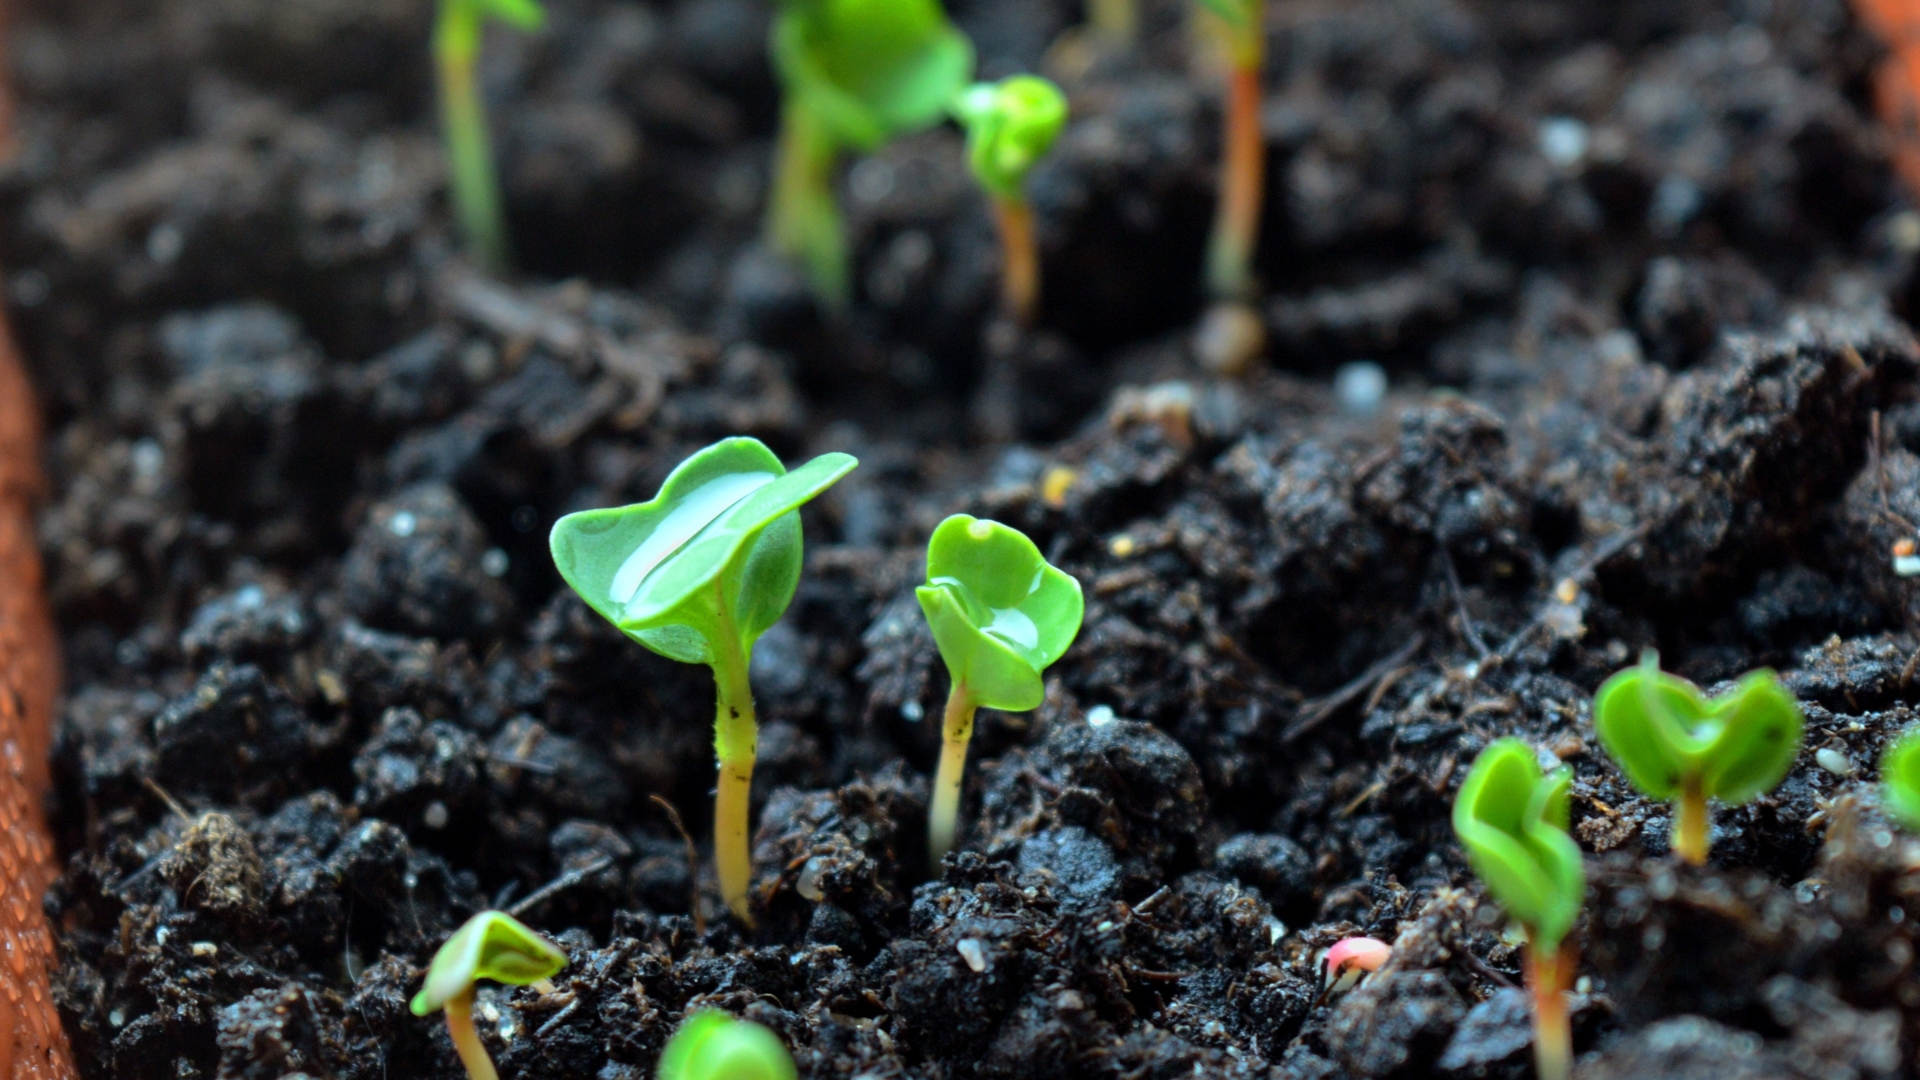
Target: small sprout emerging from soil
pixel 711 1045
pixel 1900 781
pixel 697 575
pixel 856 73
pixel 1001 616
pixel 456 52
pixel 1353 957
pixel 1513 823
pixel 1232 334
pixel 1676 744
pixel 491 945
pixel 1010 126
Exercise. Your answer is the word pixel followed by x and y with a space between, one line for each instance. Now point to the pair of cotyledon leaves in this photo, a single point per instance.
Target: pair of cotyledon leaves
pixel 1667 735
pixel 1513 822
pixel 718 548
pixel 1010 126
pixel 457 31
pixel 491 945
pixel 870 69
pixel 999 613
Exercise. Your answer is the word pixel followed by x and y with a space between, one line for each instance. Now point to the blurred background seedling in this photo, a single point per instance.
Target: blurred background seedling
pixel 457 36
pixel 1010 126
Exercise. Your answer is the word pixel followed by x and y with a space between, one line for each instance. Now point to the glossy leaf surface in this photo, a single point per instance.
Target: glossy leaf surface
pixel 871 69
pixel 1010 126
pixel 1513 823
pixel 491 945
pixel 711 1045
pixel 718 547
pixel 998 612
pixel 1665 733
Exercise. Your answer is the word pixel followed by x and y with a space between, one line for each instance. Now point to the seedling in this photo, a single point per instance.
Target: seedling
pixel 1000 616
pixel 491 945
pixel 1010 126
pixel 857 73
pixel 1900 781
pixel 1676 744
pixel 697 575
pixel 1513 823
pixel 1231 333
pixel 1351 958
pixel 456 51
pixel 711 1045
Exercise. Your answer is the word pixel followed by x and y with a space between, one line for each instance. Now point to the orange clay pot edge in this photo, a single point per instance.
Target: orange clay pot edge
pixel 32 1045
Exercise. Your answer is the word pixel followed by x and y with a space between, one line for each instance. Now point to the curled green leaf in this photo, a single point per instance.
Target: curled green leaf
pixel 1900 781
pixel 998 612
pixel 1513 823
pixel 1667 736
pixel 491 945
pixel 718 550
pixel 1010 126
pixel 710 1045
pixel 870 69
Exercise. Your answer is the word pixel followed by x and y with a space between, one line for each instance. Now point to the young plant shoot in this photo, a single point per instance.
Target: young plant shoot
pixel 856 73
pixel 1676 744
pixel 456 52
pixel 1900 781
pixel 491 945
pixel 711 1045
pixel 1010 126
pixel 1513 823
pixel 697 575
pixel 1231 333
pixel 1000 616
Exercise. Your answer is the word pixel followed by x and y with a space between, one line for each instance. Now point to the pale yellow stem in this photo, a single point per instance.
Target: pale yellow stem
pixel 1548 977
pixel 1020 259
pixel 466 1041
pixel 735 737
pixel 943 820
pixel 1691 824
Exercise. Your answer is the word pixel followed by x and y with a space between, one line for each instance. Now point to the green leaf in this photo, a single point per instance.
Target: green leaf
pixel 1010 126
pixel 871 69
pixel 491 945
pixel 1900 780
pixel 999 614
pixel 519 14
pixel 720 546
pixel 1665 734
pixel 1512 822
pixel 710 1045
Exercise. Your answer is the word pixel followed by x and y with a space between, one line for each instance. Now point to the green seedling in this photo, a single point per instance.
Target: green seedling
pixel 711 1045
pixel 456 51
pixel 1513 823
pixel 1010 126
pixel 1900 781
pixel 1232 334
pixel 856 73
pixel 697 575
pixel 1000 616
pixel 491 945
pixel 1676 744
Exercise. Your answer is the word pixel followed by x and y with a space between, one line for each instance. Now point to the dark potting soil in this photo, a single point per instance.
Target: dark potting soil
pixel 1637 272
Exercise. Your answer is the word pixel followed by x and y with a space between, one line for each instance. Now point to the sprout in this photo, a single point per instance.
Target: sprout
pixel 491 945
pixel 456 50
pixel 1352 957
pixel 1675 744
pixel 1900 781
pixel 1232 334
pixel 697 575
pixel 1000 616
pixel 1513 823
pixel 711 1045
pixel 1010 126
pixel 857 73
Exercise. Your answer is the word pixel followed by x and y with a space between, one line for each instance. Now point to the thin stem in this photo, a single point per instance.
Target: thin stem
pixel 735 739
pixel 1115 20
pixel 1691 820
pixel 943 819
pixel 1020 259
pixel 1548 977
pixel 466 1041
pixel 803 217
pixel 476 190
pixel 1236 222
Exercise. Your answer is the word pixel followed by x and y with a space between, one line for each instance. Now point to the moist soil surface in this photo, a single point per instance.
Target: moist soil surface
pixel 1637 273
